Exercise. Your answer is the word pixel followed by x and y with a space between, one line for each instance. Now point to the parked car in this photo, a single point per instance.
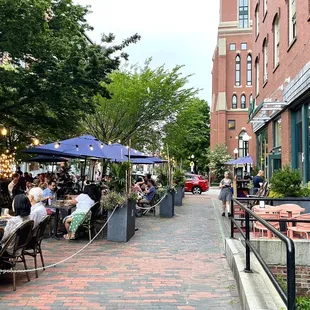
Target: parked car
pixel 196 184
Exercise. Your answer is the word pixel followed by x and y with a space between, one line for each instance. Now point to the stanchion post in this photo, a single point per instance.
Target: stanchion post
pixel 291 283
pixel 247 247
pixel 232 225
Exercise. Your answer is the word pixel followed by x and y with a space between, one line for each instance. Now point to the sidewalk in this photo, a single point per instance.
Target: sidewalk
pixel 169 264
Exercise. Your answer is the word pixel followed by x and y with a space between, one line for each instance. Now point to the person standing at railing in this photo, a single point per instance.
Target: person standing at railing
pixel 258 181
pixel 226 193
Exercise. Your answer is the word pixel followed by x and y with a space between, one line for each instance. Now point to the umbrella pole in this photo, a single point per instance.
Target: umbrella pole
pixel 83 176
pixel 129 169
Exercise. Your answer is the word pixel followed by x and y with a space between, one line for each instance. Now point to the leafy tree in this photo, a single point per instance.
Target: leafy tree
pixel 216 158
pixel 54 69
pixel 189 134
pixel 141 100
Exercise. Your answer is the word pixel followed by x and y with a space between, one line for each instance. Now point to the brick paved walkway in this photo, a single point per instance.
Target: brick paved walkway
pixel 169 264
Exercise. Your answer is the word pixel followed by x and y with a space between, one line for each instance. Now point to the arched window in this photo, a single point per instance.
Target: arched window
pixel 251 99
pixel 234 102
pixel 257 76
pixel 276 41
pixel 242 145
pixel 265 55
pixel 243 102
pixel 238 70
pixel 249 70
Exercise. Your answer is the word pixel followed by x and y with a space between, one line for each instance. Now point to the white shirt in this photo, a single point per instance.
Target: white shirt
pixel 37 213
pixel 84 203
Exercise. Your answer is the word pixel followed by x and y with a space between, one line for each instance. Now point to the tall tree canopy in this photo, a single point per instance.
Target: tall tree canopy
pixel 189 134
pixel 142 100
pixel 54 70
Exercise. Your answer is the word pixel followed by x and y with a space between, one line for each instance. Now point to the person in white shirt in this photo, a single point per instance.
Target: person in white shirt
pixel 83 203
pixel 38 211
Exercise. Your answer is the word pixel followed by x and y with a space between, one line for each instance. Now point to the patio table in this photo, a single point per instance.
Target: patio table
pixel 60 205
pixel 267 209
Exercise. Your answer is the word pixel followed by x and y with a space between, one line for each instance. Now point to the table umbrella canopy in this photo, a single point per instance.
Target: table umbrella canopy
pixel 47 159
pixel 240 161
pixel 79 147
pixel 120 153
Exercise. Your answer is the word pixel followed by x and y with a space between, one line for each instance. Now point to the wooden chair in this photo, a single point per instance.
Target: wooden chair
pixel 20 238
pixel 262 228
pixel 88 222
pixel 300 228
pixel 34 246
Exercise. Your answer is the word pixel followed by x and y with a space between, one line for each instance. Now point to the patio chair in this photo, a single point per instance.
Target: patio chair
pixel 301 228
pixel 151 205
pixel 262 192
pixel 260 227
pixel 89 224
pixel 34 246
pixel 20 238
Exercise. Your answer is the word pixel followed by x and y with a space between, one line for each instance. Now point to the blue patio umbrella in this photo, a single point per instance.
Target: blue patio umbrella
pixel 120 153
pixel 47 159
pixel 85 146
pixel 240 161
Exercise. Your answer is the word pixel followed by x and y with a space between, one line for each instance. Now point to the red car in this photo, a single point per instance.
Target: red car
pixel 196 184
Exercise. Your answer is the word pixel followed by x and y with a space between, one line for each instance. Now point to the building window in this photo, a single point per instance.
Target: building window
pixel 243 13
pixel 265 55
pixel 257 76
pixel 243 102
pixel 238 70
pixel 234 102
pixel 243 146
pixel 276 42
pixel 265 7
pixel 292 20
pixel 231 124
pixel 232 47
pixel 257 20
pixel 251 100
pixel 244 46
pixel 277 133
pixel 249 70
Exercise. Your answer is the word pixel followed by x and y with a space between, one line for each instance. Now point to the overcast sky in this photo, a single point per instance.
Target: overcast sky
pixel 173 32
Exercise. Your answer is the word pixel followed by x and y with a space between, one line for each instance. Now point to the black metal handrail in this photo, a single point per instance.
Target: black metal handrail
pixel 290 297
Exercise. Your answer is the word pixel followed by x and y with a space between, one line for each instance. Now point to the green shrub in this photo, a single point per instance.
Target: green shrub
pixel 303 303
pixel 111 200
pixel 286 182
pixel 162 177
pixel 178 178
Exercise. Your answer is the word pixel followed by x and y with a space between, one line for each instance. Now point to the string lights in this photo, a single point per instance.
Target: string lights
pixel 91 147
pixel 57 145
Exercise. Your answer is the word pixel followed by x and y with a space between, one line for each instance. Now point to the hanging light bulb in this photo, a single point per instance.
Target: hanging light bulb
pixel 110 142
pixel 36 141
pixel 57 145
pixel 77 147
pixel 4 131
pixel 101 145
pixel 91 147
pixel 119 141
pixel 127 146
pixel 7 151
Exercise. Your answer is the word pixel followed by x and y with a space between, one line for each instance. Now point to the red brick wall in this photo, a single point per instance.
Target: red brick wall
pixel 302 277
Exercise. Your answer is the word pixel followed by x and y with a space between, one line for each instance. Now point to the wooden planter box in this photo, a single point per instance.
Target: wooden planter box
pixel 166 208
pixel 122 224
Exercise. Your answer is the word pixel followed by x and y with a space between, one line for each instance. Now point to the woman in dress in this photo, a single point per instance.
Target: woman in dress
pixel 22 207
pixel 83 204
pixel 226 193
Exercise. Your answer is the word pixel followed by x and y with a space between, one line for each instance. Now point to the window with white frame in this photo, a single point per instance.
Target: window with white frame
pixel 292 20
pixel 265 7
pixel 257 76
pixel 238 71
pixel 249 70
pixel 243 13
pixel 257 20
pixel 243 102
pixel 251 99
pixel 276 42
pixel 234 102
pixel 265 55
pixel 242 145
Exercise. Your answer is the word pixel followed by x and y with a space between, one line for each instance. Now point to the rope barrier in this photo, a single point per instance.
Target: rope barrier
pixel 151 207
pixel 67 258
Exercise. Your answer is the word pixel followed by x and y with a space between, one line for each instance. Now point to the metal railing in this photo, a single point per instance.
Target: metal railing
pixel 288 297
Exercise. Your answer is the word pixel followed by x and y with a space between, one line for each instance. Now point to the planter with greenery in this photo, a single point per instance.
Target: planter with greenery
pixel 166 207
pixel 287 183
pixel 179 182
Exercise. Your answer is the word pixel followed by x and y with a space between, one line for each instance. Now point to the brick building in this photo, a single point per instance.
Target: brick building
pixel 280 113
pixel 232 79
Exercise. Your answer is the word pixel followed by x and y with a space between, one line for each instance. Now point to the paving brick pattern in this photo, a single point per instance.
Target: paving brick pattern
pixel 169 264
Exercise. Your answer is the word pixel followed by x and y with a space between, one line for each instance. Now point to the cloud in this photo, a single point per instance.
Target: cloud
pixel 173 32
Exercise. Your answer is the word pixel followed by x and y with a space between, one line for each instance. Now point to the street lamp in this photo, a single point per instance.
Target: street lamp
pixel 236 153
pixel 192 163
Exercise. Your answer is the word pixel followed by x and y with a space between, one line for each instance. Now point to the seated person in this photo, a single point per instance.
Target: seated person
pixel 22 206
pixel 48 197
pixel 38 211
pixel 149 193
pixel 13 187
pixel 83 203
pixel 136 188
